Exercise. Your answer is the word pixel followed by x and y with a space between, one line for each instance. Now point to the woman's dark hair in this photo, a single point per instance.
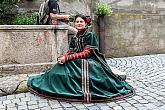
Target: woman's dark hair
pixel 87 19
pixel 81 16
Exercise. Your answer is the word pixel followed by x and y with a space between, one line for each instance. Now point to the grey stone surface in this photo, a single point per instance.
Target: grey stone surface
pixel 135 28
pixel 144 73
pixel 22 44
pixel 10 84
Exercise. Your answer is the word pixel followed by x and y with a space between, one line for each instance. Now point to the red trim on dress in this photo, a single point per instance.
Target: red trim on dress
pixel 85 53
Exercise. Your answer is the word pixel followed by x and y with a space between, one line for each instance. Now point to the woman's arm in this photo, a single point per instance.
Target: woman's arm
pixel 84 54
pixel 68 52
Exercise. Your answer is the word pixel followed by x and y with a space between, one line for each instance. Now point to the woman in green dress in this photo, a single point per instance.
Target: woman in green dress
pixel 82 73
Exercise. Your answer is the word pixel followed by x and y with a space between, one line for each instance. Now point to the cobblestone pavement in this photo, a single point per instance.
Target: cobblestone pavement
pixel 145 73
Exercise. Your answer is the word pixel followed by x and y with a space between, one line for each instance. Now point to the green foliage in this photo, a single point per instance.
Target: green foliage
pixel 71 18
pixel 25 19
pixel 5 21
pixel 103 9
pixel 9 1
pixel 5 5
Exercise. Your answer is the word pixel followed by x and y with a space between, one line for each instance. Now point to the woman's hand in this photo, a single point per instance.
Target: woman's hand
pixel 61 59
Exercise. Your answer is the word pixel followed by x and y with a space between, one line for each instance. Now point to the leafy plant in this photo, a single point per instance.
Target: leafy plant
pixel 71 18
pixel 5 5
pixel 103 9
pixel 25 19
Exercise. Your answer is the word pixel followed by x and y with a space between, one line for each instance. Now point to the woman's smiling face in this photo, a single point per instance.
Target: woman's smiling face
pixel 80 24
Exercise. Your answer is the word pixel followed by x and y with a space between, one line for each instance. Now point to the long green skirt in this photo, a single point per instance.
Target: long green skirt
pixel 80 80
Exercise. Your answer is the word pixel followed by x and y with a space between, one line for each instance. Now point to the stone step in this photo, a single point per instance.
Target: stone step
pixel 14 69
pixel 17 83
pixel 14 84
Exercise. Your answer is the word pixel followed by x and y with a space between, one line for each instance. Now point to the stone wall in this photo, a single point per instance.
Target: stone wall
pixel 135 28
pixel 66 6
pixel 25 44
pixel 135 34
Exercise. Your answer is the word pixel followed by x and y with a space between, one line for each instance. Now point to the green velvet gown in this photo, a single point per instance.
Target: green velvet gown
pixel 88 80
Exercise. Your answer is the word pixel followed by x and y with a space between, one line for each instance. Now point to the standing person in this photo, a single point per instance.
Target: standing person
pixel 46 8
pixel 49 13
pixel 82 73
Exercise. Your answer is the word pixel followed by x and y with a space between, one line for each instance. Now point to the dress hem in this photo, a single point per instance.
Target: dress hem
pixel 117 98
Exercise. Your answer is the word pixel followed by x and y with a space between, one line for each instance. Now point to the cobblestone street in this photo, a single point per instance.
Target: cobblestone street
pixel 145 73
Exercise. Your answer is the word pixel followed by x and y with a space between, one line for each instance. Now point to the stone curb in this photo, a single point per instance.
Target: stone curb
pixel 12 69
pixel 14 84
pixel 11 84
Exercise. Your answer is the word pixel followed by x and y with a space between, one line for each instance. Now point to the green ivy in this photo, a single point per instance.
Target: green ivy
pixel 71 18
pixel 103 9
pixel 25 19
pixel 5 5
